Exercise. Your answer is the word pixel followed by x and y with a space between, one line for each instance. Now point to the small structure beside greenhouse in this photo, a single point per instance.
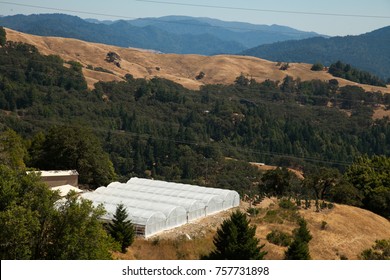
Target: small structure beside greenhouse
pixel 154 205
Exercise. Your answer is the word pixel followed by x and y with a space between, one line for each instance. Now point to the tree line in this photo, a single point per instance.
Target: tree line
pixel 156 128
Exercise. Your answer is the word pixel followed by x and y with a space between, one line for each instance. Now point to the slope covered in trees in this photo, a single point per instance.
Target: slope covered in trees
pixel 159 129
pixel 368 51
pixel 163 129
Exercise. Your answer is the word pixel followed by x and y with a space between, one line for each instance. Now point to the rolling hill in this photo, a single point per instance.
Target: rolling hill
pixel 349 231
pixel 182 69
pixel 183 35
pixel 370 51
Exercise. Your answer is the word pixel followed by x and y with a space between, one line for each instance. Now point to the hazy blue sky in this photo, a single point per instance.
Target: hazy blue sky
pixel 325 24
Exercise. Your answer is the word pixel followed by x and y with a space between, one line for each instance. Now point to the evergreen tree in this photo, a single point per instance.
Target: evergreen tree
pixel 121 229
pixel 299 248
pixel 12 149
pixel 3 37
pixel 235 240
pixel 74 148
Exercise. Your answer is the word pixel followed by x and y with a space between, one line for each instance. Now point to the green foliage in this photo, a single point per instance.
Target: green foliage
pixel 371 177
pixel 322 181
pixel 159 129
pixel 279 238
pixel 317 67
pixel 3 36
pixel 35 225
pixel 74 148
pixel 299 248
pixel 121 228
pixel 379 251
pixel 235 240
pixel 284 66
pixel 367 51
pixel 12 149
pixel 101 69
pixel 287 204
pixel 279 182
pixel 279 216
pixel 346 71
pixel 78 232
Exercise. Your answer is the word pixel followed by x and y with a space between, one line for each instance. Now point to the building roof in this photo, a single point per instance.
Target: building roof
pixel 54 173
pixel 65 189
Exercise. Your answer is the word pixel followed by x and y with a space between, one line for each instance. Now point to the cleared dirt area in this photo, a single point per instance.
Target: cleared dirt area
pixel 182 69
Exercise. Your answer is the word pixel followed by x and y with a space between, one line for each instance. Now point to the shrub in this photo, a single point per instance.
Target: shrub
pixel 287 204
pixel 379 251
pixel 200 76
pixel 101 69
pixel 279 238
pixel 284 66
pixel 317 67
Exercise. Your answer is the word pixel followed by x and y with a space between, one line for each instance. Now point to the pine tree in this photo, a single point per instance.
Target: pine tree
pixel 235 240
pixel 121 229
pixel 299 248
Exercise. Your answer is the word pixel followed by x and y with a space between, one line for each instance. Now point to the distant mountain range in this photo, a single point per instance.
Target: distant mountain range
pixel 172 34
pixel 369 51
pixel 206 36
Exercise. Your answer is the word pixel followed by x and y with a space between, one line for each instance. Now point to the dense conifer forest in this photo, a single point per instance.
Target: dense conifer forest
pixel 156 128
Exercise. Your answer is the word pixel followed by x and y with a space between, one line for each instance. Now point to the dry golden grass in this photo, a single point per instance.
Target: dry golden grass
pixel 264 167
pixel 168 249
pixel 349 230
pixel 380 113
pixel 182 69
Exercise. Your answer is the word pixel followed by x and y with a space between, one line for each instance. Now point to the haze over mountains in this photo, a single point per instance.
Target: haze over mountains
pixel 370 51
pixel 172 34
pixel 206 36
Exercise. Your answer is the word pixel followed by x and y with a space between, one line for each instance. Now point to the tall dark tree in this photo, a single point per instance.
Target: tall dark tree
pixel 121 229
pixel 278 182
pixel 235 240
pixel 75 148
pixel 299 248
pixel 3 38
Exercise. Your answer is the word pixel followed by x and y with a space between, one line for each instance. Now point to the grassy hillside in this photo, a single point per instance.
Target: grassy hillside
pixel 182 69
pixel 348 231
pixel 369 52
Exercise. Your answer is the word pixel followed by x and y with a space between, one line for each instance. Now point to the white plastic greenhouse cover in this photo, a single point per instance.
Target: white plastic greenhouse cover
pixel 194 208
pixel 230 198
pixel 213 203
pixel 175 215
pixel 154 205
pixel 153 221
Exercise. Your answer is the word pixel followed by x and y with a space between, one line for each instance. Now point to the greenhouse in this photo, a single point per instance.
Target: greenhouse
pixel 154 205
pixel 230 198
